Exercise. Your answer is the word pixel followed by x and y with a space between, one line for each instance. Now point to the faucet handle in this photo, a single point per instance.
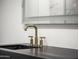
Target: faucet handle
pixel 31 40
pixel 42 38
pixel 31 37
pixel 41 41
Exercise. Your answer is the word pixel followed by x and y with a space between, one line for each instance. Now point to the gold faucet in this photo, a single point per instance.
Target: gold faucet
pixel 36 34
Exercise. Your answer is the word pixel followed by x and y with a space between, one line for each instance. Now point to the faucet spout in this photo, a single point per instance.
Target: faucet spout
pixel 36 34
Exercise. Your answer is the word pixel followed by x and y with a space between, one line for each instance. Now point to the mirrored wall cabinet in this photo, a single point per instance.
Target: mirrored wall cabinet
pixel 50 11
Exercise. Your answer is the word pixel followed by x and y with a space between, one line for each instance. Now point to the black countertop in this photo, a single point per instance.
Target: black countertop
pixel 47 52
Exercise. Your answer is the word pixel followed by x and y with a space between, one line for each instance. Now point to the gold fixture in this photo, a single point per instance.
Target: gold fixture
pixel 36 35
pixel 31 40
pixel 41 41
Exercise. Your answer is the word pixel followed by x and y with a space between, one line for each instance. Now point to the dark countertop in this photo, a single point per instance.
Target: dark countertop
pixel 47 52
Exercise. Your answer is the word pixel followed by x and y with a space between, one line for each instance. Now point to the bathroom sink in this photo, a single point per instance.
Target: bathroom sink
pixel 16 47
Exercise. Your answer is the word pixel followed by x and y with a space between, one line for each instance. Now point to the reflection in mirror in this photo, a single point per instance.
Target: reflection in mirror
pixel 35 8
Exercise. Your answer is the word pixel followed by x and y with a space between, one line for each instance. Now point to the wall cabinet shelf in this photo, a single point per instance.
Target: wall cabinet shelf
pixel 50 11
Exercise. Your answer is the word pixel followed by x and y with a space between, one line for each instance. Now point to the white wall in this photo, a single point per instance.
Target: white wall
pixel 11 19
pixel 11 28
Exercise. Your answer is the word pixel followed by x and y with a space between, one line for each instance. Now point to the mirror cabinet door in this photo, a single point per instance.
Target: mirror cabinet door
pixel 57 11
pixel 31 8
pixel 71 7
pixel 35 8
pixel 57 7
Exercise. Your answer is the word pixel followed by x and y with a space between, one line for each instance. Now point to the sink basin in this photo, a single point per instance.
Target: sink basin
pixel 16 47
